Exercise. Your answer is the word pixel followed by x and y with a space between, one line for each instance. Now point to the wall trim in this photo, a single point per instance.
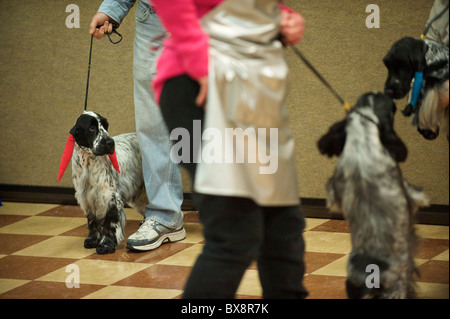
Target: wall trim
pixel 311 207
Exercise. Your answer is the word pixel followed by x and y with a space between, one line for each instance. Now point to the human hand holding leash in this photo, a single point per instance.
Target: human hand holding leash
pixel 292 27
pixel 101 25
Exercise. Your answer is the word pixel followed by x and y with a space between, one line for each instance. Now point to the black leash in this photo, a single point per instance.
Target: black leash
pixel 345 104
pixel 90 57
pixel 428 26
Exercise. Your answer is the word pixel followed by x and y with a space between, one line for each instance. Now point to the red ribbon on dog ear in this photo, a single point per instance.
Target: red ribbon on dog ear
pixel 67 155
pixel 114 162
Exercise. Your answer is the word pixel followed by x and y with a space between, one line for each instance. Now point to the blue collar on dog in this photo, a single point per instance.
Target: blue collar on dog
pixel 417 88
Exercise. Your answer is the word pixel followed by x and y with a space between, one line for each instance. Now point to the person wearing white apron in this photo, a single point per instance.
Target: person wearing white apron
pixel 240 149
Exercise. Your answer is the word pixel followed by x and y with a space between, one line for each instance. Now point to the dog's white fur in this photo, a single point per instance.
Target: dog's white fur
pixel 434 109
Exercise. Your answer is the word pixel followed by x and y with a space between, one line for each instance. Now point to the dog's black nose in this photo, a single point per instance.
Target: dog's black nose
pixel 109 143
pixel 109 146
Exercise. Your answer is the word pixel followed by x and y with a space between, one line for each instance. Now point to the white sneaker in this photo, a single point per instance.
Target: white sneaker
pixel 151 235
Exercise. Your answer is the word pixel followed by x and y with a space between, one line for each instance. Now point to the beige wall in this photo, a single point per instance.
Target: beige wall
pixel 43 68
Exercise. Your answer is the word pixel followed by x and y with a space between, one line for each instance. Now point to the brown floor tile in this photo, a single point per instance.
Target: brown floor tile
pixel 64 211
pixel 431 247
pixel 333 225
pixel 315 261
pixel 49 290
pixel 80 231
pixel 435 271
pixel 10 219
pixel 325 287
pixel 158 276
pixel 150 257
pixel 191 217
pixel 11 243
pixel 24 267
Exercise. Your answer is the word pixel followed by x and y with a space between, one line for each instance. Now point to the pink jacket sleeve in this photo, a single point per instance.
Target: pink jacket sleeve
pixel 187 37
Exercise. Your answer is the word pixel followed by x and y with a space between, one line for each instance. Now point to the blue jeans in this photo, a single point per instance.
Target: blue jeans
pixel 162 177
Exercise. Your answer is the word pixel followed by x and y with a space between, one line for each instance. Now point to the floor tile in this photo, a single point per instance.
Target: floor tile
pixel 11 243
pixel 186 257
pixel 30 268
pixel 432 231
pixel 9 284
pixel 314 222
pixel 435 271
pixel 315 261
pixel 426 290
pixel 325 287
pixel 149 257
pixel 158 276
pixel 431 247
pixel 250 284
pixel 11 208
pixel 42 225
pixel 194 233
pixel 337 243
pixel 49 290
pixel 64 211
pixel 97 272
pixel 333 225
pixel 10 219
pixel 59 246
pixel 117 292
pixel 443 256
pixel 335 268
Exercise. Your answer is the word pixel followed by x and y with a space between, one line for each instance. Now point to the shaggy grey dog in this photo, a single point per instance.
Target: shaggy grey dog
pixel 379 205
pixel 100 189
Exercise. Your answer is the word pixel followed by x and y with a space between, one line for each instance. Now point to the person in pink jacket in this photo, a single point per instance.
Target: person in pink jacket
pixel 265 226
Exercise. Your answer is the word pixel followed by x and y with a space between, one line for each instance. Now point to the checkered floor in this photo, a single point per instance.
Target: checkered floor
pixel 41 249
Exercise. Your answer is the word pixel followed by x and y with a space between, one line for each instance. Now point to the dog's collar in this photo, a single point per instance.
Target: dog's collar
pixel 366 117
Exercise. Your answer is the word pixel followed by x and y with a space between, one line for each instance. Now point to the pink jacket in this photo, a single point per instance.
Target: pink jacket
pixel 186 50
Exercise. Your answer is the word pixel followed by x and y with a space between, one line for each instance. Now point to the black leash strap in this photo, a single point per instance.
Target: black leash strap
pixel 345 104
pixel 90 57
pixel 89 72
pixel 428 26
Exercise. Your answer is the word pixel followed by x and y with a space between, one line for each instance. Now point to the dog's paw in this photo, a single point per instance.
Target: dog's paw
pixel 91 242
pixel 106 246
pixel 408 110
pixel 105 249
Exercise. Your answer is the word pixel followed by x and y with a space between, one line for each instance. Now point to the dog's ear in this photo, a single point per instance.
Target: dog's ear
pixel 74 131
pixel 332 143
pixel 394 145
pixel 104 123
pixel 417 55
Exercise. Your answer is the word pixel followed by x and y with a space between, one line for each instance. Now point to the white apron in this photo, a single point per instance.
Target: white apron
pixel 247 147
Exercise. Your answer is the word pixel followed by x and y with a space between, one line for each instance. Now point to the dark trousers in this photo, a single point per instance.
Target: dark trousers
pixel 237 230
